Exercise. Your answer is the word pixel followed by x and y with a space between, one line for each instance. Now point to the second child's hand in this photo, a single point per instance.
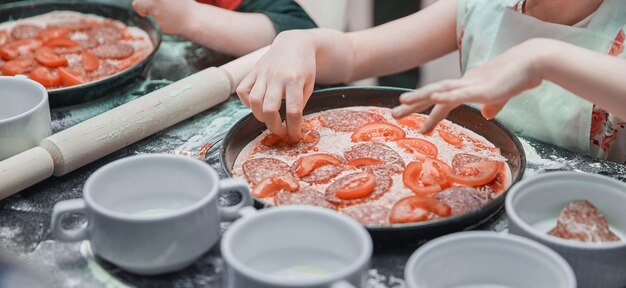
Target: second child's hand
pixel 492 84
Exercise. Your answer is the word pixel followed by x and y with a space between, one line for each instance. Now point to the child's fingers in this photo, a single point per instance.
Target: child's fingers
pixel 256 99
pixel 245 87
pixel 271 107
pixel 142 7
pixel 490 111
pixel 404 109
pixel 439 112
pixel 294 102
pixel 461 95
pixel 426 91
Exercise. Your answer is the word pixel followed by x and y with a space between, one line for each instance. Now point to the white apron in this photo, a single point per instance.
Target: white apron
pixel 547 113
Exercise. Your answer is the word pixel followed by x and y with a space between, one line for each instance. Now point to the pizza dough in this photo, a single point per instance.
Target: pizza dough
pixel 270 156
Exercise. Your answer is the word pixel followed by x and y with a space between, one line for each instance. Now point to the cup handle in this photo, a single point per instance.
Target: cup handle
pixel 231 213
pixel 342 284
pixel 59 212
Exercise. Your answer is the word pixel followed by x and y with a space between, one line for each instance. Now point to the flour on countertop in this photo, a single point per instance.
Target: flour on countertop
pixel 377 280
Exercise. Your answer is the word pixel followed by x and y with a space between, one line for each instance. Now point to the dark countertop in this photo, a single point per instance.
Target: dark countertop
pixel 24 218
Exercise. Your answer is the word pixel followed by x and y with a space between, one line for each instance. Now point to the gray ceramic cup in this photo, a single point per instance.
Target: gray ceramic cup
pixel 533 205
pixel 24 115
pixel 296 247
pixel 481 259
pixel 151 214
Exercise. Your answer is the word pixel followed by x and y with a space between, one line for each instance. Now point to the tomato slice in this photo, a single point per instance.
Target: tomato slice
pixel 378 132
pixel 13 49
pixel 270 186
pixel 311 162
pixel 416 209
pixel 359 186
pixel 132 60
pixel 15 67
pixel 418 146
pixel 414 122
pixel 46 77
pixel 426 177
pixel 60 43
pixel 8 54
pixel 360 162
pixel 53 33
pixel 70 77
pixel 90 61
pixel 476 174
pixel 450 138
pixel 273 140
pixel 48 58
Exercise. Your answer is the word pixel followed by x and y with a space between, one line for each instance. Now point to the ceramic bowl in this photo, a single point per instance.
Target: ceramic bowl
pixel 24 115
pixel 533 205
pixel 487 260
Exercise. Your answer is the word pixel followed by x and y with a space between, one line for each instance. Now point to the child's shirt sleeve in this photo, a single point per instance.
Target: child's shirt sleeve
pixel 284 14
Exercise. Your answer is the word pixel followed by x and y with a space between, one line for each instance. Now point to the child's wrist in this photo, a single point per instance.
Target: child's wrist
pixel 543 54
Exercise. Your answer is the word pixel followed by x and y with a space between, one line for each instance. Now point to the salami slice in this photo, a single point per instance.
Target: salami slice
pixel 25 31
pixel 348 120
pixel 580 220
pixel 306 196
pixel 462 159
pixel 460 199
pixel 258 169
pixel 378 151
pixel 321 174
pixel 74 25
pixel 281 144
pixel 368 214
pixel 105 69
pixel 88 43
pixel 498 185
pixel 383 183
pixel 113 51
pixel 106 33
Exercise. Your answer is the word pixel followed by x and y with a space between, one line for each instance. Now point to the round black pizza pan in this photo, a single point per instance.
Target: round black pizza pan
pixel 248 128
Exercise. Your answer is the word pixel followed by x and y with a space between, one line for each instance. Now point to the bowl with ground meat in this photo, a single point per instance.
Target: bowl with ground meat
pixel 579 215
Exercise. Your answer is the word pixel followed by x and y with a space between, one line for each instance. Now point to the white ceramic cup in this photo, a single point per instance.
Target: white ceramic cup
pixel 533 205
pixel 24 115
pixel 151 214
pixel 296 246
pixel 487 260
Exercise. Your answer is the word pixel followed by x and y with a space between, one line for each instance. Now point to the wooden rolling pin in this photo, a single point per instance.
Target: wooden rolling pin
pixel 115 129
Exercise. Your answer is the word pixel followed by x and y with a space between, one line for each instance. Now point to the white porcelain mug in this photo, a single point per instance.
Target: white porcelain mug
pixel 151 214
pixel 482 259
pixel 296 247
pixel 24 115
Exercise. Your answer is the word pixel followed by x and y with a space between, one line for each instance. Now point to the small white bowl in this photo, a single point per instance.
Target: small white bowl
pixel 487 260
pixel 533 205
pixel 24 115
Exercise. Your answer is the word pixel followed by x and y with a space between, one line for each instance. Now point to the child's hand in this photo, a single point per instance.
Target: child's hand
pixel 173 17
pixel 286 71
pixel 492 84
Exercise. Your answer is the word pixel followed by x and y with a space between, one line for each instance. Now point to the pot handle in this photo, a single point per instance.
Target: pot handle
pixel 232 213
pixel 342 284
pixel 59 212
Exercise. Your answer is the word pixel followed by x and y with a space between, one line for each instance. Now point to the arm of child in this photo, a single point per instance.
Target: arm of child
pixel 521 68
pixel 234 32
pixel 297 59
